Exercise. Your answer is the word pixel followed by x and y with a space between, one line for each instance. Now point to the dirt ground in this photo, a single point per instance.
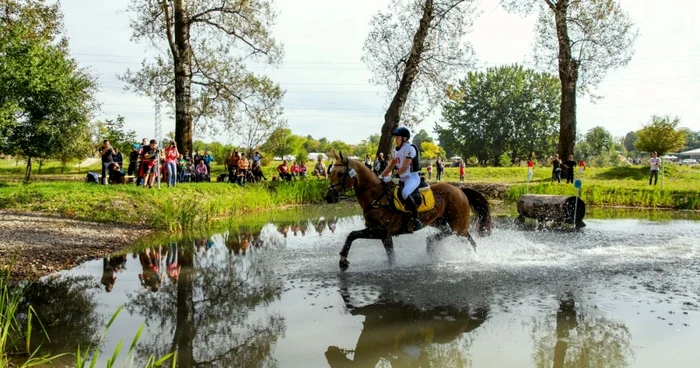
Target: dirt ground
pixel 42 244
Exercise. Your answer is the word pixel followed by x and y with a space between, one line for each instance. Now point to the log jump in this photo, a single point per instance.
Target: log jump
pixel 559 210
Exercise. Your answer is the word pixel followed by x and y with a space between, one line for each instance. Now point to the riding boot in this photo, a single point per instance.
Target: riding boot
pixel 410 205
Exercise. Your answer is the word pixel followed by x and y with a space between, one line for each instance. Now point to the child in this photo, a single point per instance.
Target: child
pixel 461 171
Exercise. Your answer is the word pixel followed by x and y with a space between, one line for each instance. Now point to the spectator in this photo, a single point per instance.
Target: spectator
pixel 189 171
pixel 181 168
pixel 570 166
pixel 581 167
pixel 302 170
pixel 171 156
pixel 186 156
pixel 556 168
pixel 116 174
pixel 429 169
pixel 461 170
pixel 207 158
pixel 294 170
pixel 242 169
pixel 133 159
pixel 257 172
pixel 368 162
pixel 654 168
pixel 139 175
pixel 379 164
pixel 257 157
pixel 319 169
pixel 201 172
pixel 197 157
pixel 283 171
pixel 235 158
pixel 149 155
pixel 117 156
pixel 106 153
pixel 230 166
pixel 440 168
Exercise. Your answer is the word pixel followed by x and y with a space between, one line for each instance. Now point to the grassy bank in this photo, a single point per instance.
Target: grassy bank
pixel 183 208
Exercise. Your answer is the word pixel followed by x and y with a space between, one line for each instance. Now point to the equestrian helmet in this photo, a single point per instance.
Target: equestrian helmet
pixel 401 132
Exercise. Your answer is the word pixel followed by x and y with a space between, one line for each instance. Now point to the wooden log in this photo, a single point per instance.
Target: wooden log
pixel 558 209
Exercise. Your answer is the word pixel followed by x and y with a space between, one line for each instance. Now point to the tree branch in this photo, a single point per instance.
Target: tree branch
pixel 169 31
pixel 232 32
pixel 550 4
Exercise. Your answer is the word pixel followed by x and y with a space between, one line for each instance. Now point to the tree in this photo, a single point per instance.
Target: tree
pixel 587 39
pixel 420 137
pixel 44 95
pixel 413 49
pixel 505 109
pixel 200 69
pixel 630 140
pixel 430 150
pixel 661 135
pixel 693 139
pixel 599 140
pixel 117 135
pixel 254 131
pixel 75 144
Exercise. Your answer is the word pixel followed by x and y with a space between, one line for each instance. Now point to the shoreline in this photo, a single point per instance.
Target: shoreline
pixel 42 244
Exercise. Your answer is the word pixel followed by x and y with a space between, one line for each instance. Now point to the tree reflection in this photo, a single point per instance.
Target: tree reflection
pixel 67 309
pixel 397 334
pixel 580 340
pixel 204 314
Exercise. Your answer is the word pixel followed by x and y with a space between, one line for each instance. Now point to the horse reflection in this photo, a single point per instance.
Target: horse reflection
pixel 402 334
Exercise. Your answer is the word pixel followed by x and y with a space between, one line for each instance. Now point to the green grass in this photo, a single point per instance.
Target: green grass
pixel 185 207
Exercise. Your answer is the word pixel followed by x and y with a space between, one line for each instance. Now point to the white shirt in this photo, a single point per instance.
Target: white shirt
pixel 654 162
pixel 406 152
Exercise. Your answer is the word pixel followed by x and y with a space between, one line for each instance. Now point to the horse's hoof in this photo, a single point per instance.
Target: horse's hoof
pixel 343 264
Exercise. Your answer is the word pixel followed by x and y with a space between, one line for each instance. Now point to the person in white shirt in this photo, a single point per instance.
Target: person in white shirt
pixel 654 172
pixel 404 159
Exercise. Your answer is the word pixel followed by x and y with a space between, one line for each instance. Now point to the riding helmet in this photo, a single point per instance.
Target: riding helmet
pixel 402 132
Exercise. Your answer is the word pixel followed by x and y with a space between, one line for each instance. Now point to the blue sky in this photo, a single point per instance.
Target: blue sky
pixel 328 93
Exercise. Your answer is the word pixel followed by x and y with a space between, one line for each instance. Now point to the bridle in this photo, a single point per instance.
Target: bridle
pixel 339 189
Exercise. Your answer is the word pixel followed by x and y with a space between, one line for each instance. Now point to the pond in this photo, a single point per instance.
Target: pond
pixel 621 292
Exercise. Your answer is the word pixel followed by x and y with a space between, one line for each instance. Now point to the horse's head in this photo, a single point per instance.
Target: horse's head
pixel 342 178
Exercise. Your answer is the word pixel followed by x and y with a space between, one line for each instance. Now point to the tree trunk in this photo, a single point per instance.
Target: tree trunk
pixel 63 166
pixel 568 75
pixel 41 163
pixel 28 171
pixel 393 113
pixel 183 77
pixel 184 326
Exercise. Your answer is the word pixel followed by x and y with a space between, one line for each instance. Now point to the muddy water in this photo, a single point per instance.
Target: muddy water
pixel 621 292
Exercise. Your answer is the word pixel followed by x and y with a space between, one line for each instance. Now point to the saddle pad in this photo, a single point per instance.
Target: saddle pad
pixel 427 200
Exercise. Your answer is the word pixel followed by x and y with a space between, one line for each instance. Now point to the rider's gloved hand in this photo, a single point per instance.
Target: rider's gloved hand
pixel 386 179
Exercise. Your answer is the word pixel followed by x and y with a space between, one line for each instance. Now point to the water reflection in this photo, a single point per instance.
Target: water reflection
pixel 581 340
pixel 204 311
pixel 400 334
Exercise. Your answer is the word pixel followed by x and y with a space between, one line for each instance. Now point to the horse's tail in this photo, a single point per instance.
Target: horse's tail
pixel 481 206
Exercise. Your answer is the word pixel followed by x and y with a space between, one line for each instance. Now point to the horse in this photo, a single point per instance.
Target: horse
pixel 450 214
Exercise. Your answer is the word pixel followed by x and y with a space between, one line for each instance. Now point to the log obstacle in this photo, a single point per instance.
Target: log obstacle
pixel 559 210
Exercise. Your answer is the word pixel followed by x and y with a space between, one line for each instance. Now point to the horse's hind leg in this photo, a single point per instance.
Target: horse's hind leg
pixel 433 239
pixel 389 247
pixel 471 240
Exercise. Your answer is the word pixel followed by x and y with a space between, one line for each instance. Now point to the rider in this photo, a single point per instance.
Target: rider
pixel 407 171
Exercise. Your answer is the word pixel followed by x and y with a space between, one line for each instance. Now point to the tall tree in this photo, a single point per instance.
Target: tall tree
pixel 413 49
pixel 630 140
pixel 693 139
pixel 44 94
pixel 200 67
pixel 661 135
pixel 586 39
pixel 420 137
pixel 505 109
pixel 599 140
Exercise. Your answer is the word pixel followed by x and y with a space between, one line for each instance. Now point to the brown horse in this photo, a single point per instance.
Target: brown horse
pixel 450 214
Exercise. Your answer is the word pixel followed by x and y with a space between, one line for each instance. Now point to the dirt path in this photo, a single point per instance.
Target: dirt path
pixel 42 244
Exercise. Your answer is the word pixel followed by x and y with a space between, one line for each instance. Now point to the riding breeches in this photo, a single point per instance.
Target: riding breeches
pixel 410 183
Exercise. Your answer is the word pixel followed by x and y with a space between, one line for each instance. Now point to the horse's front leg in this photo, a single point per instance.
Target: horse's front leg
pixel 371 233
pixel 389 248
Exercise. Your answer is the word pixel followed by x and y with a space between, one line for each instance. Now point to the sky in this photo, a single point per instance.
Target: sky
pixel 328 93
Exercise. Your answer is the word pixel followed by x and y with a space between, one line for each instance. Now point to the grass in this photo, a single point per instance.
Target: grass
pixel 185 207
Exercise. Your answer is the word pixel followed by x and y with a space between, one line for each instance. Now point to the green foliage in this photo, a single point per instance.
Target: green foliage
pixel 630 141
pixel 505 159
pixel 44 96
pixel 113 130
pixel 505 109
pixel 430 150
pixel 661 135
pixel 693 138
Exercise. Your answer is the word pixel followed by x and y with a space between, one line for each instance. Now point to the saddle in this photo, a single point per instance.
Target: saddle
pixel 423 196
